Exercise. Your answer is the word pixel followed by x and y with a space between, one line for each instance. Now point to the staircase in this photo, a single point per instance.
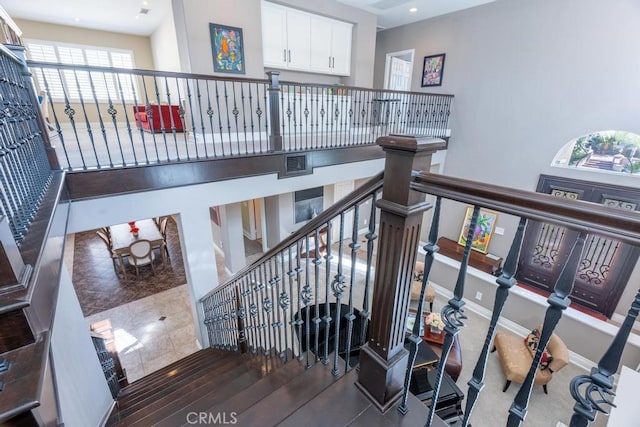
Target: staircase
pixel 217 387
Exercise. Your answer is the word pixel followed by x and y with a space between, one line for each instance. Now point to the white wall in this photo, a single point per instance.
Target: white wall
pixel 528 76
pixel 82 389
pixel 192 18
pixel 164 45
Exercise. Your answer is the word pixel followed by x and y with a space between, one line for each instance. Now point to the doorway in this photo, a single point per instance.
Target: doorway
pixel 398 70
pixel 606 264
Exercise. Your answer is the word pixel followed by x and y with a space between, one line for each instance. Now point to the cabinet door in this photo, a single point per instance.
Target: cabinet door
pixel 341 48
pixel 298 40
pixel 321 58
pixel 274 36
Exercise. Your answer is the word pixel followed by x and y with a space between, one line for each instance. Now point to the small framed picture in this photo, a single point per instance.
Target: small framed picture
pixel 432 70
pixel 411 321
pixel 227 44
pixel 482 232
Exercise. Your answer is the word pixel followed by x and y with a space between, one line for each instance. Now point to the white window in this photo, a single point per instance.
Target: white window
pixel 74 85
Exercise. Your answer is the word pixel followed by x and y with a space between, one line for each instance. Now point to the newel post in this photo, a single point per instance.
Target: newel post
pixel 383 360
pixel 275 139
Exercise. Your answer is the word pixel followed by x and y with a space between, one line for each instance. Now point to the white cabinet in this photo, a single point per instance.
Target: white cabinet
pixel 302 41
pixel 330 46
pixel 286 37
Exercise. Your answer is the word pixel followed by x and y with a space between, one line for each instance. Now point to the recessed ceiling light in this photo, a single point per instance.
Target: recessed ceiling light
pixel 413 10
pixel 137 16
pixel 145 3
pixel 76 19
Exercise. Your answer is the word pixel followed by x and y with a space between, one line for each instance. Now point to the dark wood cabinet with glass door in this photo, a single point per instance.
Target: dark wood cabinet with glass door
pixel 606 263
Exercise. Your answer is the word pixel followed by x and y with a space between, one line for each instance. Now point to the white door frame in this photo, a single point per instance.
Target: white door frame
pixel 387 64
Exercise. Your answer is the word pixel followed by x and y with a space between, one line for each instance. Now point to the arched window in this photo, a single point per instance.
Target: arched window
pixel 610 150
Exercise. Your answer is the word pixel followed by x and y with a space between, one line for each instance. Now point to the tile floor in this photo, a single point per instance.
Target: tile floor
pixel 152 332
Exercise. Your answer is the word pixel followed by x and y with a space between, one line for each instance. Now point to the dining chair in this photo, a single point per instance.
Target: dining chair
pixel 107 241
pixel 163 231
pixel 141 254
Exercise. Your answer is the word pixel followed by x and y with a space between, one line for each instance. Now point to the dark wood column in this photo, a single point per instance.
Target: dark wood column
pixel 383 360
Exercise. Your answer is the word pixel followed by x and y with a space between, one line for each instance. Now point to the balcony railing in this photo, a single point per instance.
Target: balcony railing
pixel 109 117
pixel 301 298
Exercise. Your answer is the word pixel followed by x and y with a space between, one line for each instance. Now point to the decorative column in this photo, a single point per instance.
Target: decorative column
pixel 383 360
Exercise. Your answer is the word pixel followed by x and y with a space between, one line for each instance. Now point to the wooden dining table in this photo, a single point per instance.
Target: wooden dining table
pixel 122 238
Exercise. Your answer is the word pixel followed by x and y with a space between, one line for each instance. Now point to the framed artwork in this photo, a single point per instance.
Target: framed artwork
pixel 228 49
pixel 432 70
pixel 308 203
pixel 411 321
pixel 483 231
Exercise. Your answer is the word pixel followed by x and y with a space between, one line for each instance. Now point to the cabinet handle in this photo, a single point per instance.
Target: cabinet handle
pixel 329 62
pixel 289 55
pixel 334 62
pixel 285 54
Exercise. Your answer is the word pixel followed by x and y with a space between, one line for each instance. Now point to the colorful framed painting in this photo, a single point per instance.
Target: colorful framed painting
pixel 483 231
pixel 228 49
pixel 432 70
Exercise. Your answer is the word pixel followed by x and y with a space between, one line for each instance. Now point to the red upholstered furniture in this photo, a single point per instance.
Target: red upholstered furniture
pixel 155 118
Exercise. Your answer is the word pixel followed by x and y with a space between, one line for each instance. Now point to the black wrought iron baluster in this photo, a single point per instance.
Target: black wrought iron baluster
pixel 183 122
pixel 152 117
pixel 505 282
pixel 226 109
pixel 242 315
pixel 70 112
pixel 204 132
pixel 225 319
pixel 370 236
pixel 258 113
pixel 274 283
pixel 235 113
pixel 257 289
pixel 283 115
pixel 219 118
pixel 113 112
pixel 163 125
pixel 306 113
pixel 291 319
pixel 172 120
pixel 267 306
pixel 56 122
pixel 283 302
pixel 99 114
pixel 126 118
pixel 233 318
pixel 253 313
pixel 337 286
pixel 192 115
pixel 349 316
pixel 245 292
pixel 298 279
pixel 265 92
pixel 324 117
pixel 600 381
pixel 214 320
pixel 86 119
pixel 307 296
pixel 251 123
pixel 138 120
pixel 415 339
pixel 452 314
pixel 327 309
pixel 316 278
pixel 210 113
pixel 558 301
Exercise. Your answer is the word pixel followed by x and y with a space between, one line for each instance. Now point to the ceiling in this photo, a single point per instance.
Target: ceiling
pixel 124 16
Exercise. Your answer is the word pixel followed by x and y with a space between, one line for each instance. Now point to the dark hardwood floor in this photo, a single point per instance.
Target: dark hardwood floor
pixel 100 288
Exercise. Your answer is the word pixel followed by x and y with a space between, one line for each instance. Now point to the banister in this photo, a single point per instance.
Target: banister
pixel 576 214
pixel 359 194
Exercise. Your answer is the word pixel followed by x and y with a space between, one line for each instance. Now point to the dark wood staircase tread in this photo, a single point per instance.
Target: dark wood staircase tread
pixel 288 398
pixel 337 405
pixel 417 416
pixel 243 399
pixel 196 376
pixel 173 369
pixel 213 393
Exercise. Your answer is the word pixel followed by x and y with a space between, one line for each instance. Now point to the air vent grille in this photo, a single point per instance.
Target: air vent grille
pixel 296 163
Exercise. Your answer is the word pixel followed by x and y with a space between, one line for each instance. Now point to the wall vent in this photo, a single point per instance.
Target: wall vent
pixel 296 163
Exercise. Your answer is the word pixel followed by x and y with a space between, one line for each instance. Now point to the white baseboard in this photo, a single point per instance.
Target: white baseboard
pixel 105 417
pixel 511 326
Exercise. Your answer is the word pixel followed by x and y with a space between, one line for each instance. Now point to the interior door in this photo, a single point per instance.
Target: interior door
pixel 606 264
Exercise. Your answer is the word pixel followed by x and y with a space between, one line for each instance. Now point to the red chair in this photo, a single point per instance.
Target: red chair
pixel 158 118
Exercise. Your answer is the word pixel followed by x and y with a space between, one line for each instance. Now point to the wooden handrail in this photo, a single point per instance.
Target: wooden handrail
pixel 359 194
pixel 618 224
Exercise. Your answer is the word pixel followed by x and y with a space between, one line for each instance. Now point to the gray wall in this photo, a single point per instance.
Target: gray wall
pixel 192 18
pixel 528 76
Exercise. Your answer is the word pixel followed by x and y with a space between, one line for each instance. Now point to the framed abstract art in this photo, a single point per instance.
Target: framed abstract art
pixel 227 44
pixel 432 70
